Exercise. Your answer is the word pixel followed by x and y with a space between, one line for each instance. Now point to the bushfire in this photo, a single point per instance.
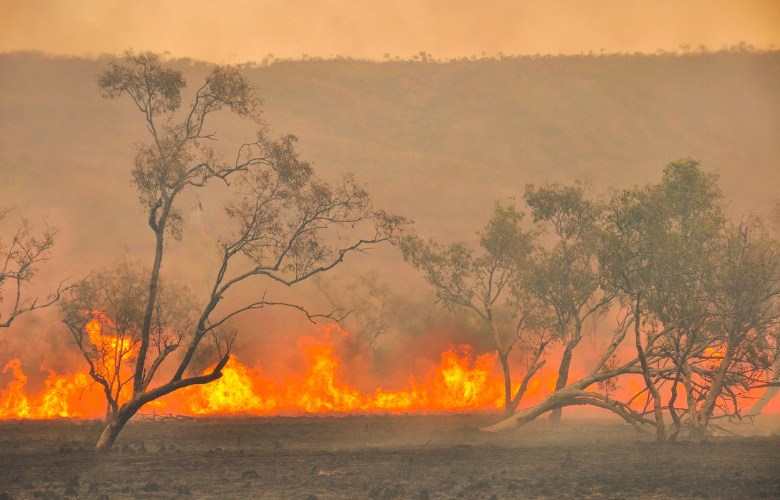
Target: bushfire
pixel 461 381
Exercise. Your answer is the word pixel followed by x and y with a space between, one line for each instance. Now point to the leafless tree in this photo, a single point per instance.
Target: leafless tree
pixel 20 256
pixel 368 306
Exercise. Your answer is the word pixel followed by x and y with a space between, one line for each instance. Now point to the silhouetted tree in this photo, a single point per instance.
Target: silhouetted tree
pixel 286 225
pixel 20 256
pixel 566 277
pixel 105 311
pixel 489 283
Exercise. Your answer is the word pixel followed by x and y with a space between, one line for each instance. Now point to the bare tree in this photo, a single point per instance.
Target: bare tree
pixel 369 308
pixel 20 257
pixel 287 225
pixel 489 284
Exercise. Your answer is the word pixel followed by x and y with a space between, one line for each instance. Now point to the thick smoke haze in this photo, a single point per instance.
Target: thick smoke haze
pixel 438 143
pixel 235 31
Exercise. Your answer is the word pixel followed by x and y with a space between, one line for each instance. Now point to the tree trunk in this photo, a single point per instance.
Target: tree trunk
pixel 757 408
pixel 523 417
pixel 673 410
pixel 563 378
pixel 694 413
pixel 714 392
pixel 770 393
pixel 154 281
pixel 508 406
pixel 115 426
pixel 660 428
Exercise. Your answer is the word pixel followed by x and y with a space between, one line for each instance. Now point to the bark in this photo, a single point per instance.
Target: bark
pixel 713 394
pixel 697 433
pixel 563 378
pixel 534 367
pixel 154 280
pixel 127 410
pixel 115 426
pixel 509 408
pixel 660 428
pixel 673 410
pixel 570 396
pixel 555 400
pixel 757 408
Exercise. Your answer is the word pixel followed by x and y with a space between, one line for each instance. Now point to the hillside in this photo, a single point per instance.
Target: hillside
pixel 437 142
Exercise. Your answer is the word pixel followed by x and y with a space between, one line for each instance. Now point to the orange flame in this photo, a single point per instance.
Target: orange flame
pixel 461 381
pixel 457 384
pixel 60 397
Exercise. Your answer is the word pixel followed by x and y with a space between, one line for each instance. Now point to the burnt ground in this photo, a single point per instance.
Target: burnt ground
pixel 379 457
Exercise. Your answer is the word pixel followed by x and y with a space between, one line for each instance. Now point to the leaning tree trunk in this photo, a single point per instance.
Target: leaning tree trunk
pixel 552 402
pixel 757 408
pixel 509 407
pixel 660 428
pixel 770 393
pixel 115 425
pixel 563 378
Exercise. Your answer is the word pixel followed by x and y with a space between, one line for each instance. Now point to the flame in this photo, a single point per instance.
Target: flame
pixel 61 396
pixel 461 381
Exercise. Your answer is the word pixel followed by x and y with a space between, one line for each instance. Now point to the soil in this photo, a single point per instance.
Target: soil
pixel 379 457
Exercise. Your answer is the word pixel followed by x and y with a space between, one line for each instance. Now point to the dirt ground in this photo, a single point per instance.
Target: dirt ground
pixel 380 457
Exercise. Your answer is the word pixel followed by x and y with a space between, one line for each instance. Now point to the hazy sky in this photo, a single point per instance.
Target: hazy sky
pixel 242 30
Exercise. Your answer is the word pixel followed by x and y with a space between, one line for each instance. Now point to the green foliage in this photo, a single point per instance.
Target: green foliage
pixel 469 278
pixel 154 88
pixel 565 276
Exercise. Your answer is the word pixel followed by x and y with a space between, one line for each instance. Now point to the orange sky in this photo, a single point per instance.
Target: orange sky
pixel 241 30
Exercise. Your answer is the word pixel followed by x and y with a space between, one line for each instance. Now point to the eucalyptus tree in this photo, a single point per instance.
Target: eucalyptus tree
pixel 685 227
pixel 488 282
pixel 631 221
pixel 284 225
pixel 370 308
pixel 104 313
pixel 744 288
pixel 772 379
pixel 565 276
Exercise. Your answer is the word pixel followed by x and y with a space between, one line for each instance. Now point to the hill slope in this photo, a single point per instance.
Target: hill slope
pixel 438 142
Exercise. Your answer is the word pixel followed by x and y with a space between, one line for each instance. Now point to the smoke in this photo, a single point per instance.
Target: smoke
pixel 249 31
pixel 437 143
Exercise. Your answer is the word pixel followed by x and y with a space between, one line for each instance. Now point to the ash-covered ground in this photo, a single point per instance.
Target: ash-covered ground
pixel 382 457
